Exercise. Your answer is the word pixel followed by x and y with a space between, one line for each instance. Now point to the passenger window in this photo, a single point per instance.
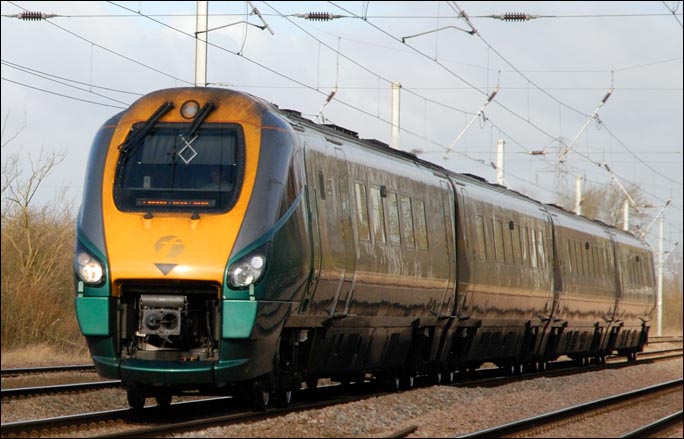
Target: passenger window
pixel 517 245
pixel 498 238
pixel 421 225
pixel 407 221
pixel 508 245
pixel 489 241
pixel 393 211
pixel 362 212
pixel 583 255
pixel 524 246
pixel 540 250
pixel 481 238
pixel 377 215
pixel 569 256
pixel 330 189
pixel 533 247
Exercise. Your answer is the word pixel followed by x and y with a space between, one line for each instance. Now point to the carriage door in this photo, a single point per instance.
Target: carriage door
pixel 449 299
pixel 344 255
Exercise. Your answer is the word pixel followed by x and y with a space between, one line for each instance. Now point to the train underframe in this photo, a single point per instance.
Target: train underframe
pixel 179 337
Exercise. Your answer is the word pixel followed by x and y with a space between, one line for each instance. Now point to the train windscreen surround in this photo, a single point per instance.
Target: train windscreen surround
pixel 168 171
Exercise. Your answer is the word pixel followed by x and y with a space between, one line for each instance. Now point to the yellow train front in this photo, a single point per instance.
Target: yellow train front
pixel 186 193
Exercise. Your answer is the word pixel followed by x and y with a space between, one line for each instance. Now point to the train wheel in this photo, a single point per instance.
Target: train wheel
pixel 407 381
pixel 284 397
pixel 311 383
pixel 136 398
pixel 163 398
pixel 436 376
pixel 260 396
pixel 393 382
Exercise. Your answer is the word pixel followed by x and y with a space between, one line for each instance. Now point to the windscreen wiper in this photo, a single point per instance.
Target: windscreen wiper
pixel 201 116
pixel 133 141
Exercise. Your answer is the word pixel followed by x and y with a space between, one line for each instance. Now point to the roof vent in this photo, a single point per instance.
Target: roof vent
pixel 342 130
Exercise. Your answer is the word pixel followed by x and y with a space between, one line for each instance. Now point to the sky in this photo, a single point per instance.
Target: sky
pixel 64 76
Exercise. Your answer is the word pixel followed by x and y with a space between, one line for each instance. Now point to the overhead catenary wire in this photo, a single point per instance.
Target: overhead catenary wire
pixel 296 81
pixel 370 17
pixel 63 95
pixel 361 66
pixel 64 83
pixel 541 130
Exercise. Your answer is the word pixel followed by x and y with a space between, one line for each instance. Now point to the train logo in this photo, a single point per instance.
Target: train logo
pixel 169 246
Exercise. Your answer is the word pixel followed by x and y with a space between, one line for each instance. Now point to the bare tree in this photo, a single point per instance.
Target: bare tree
pixel 605 203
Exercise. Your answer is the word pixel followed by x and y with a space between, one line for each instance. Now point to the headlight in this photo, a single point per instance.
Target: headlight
pixel 88 269
pixel 247 270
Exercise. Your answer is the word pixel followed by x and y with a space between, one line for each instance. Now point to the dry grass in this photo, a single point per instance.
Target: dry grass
pixel 43 355
pixel 37 278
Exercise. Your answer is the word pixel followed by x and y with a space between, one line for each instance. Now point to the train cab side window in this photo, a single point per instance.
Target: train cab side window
pixel 377 216
pixel 407 221
pixel 421 224
pixel 393 216
pixel 362 212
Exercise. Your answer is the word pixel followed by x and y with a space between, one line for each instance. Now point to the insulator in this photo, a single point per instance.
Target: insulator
pixel 515 16
pixel 319 16
pixel 30 16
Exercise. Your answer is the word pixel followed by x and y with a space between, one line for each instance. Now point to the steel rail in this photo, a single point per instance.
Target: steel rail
pixel 554 416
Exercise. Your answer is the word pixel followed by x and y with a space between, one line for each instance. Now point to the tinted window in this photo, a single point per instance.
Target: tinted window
pixel 407 221
pixel 377 215
pixel 421 226
pixel 167 172
pixel 481 248
pixel 362 212
pixel 393 211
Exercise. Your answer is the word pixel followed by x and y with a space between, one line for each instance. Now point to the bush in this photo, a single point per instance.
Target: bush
pixel 37 278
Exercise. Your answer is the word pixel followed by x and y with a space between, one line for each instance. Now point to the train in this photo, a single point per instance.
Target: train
pixel 227 246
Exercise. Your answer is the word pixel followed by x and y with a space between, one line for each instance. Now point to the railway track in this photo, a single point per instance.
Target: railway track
pixel 203 413
pixel 665 339
pixel 61 388
pixel 657 428
pixel 530 426
pixel 184 416
pixel 33 370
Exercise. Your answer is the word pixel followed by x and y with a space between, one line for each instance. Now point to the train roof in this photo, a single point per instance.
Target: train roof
pixel 297 117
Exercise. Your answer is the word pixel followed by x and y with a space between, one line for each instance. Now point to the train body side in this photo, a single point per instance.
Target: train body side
pixel 505 278
pixel 384 257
